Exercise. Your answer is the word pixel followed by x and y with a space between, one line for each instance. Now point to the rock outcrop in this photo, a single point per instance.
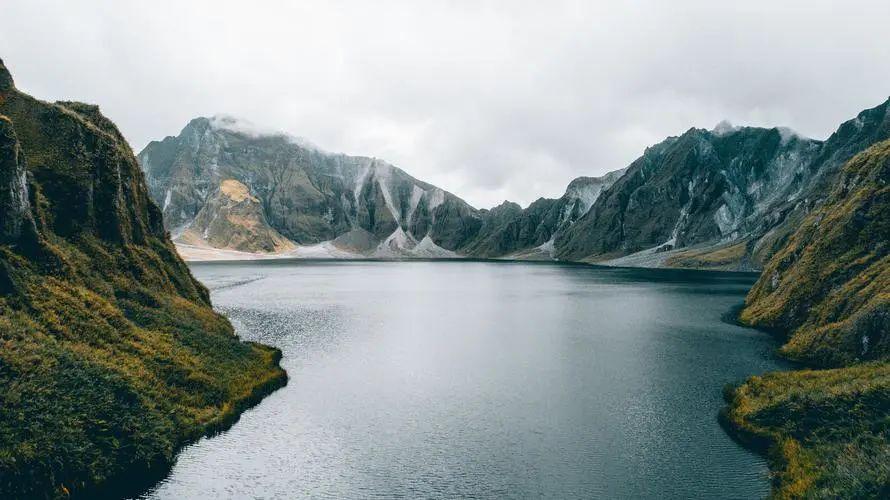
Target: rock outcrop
pixel 15 209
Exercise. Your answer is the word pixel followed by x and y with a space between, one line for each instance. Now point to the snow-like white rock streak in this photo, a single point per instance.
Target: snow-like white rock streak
pixel 416 195
pixel 360 180
pixel 437 198
pixel 547 247
pixel 427 248
pixel 681 220
pixel 395 245
pixel 383 174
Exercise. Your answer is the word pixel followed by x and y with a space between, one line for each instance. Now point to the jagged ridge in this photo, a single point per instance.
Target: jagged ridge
pixel 710 190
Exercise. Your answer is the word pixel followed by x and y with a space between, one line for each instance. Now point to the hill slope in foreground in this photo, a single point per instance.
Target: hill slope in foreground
pixel 112 357
pixel 827 431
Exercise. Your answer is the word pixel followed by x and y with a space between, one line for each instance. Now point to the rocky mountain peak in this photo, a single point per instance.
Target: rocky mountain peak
pixel 506 205
pixel 724 128
pixel 199 124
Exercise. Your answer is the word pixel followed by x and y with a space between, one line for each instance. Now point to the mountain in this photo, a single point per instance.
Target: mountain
pixel 510 231
pixel 725 198
pixel 304 194
pixel 112 356
pixel 343 205
pixel 826 293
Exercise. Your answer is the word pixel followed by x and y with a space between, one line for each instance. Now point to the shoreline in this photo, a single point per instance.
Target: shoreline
pixel 137 480
pixel 206 255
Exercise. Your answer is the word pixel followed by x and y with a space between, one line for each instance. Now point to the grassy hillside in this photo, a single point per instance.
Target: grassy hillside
pixel 112 357
pixel 827 432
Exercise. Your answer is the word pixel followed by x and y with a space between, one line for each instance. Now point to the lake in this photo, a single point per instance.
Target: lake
pixel 482 380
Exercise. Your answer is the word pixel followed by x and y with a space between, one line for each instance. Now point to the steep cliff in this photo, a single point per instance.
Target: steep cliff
pixel 827 294
pixel 830 285
pixel 112 357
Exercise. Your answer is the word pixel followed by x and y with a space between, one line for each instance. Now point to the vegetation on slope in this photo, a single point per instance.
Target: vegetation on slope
pixel 827 431
pixel 112 357
pixel 830 285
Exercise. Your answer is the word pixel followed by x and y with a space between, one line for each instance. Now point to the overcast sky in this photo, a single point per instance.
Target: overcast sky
pixel 490 100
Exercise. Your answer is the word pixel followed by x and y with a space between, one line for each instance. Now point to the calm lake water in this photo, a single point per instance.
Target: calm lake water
pixel 482 380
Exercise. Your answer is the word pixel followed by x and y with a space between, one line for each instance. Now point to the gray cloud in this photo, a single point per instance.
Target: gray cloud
pixel 490 100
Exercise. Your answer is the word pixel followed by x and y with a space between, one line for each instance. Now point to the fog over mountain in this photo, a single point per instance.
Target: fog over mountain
pixel 493 100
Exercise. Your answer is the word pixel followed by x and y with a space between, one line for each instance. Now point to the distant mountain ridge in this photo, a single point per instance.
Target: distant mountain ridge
pixel 306 195
pixel 359 205
pixel 689 199
pixel 725 198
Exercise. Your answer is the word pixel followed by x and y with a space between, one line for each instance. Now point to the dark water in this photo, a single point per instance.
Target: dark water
pixel 482 380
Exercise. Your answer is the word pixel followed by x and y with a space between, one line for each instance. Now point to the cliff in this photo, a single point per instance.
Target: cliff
pixel 112 357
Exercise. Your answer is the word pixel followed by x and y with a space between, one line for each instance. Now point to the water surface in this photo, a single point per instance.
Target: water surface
pixel 482 380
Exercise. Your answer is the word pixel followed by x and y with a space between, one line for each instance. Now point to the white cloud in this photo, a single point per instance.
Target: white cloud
pixel 489 100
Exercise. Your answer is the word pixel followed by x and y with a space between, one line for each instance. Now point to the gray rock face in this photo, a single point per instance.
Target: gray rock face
pixel 530 233
pixel 15 210
pixel 233 219
pixel 716 188
pixel 308 196
pixel 726 198
pixel 16 220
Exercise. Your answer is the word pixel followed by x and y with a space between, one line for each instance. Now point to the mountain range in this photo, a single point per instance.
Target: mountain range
pixel 725 198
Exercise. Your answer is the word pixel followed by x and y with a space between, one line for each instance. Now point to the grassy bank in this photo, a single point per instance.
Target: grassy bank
pixel 103 377
pixel 826 294
pixel 826 433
